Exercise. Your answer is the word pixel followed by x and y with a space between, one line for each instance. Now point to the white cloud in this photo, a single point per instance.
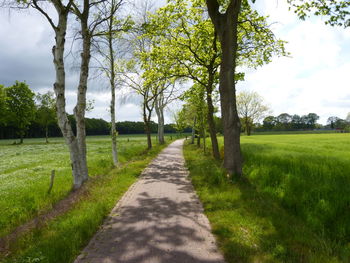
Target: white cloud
pixel 315 78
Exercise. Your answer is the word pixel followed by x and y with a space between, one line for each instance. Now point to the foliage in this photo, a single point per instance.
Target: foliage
pixel 21 105
pixel 184 43
pixel 293 207
pixel 46 110
pixel 3 106
pixel 336 11
pixel 251 109
pixel 335 122
pixel 285 121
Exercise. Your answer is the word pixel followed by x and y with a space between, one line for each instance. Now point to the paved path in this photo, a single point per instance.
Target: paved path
pixel 159 219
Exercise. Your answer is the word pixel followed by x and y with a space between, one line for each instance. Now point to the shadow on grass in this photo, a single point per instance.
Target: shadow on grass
pixel 252 226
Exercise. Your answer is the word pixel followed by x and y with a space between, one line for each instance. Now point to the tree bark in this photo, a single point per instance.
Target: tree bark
pixel 47 134
pixel 146 119
pixel 112 83
pixel 247 126
pixel 210 117
pixel 79 110
pixel 159 107
pixel 193 130
pixel 226 28
pixel 76 144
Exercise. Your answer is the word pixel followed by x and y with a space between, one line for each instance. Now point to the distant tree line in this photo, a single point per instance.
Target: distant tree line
pixel 287 122
pixel 24 114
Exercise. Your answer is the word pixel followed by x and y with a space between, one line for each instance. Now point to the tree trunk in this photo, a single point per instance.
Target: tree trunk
pixel 76 145
pixel 149 138
pixel 160 116
pixel 210 117
pixel 112 83
pixel 204 141
pixel 47 134
pixel 193 130
pixel 113 130
pixel 247 127
pixel 199 140
pixel 79 110
pixel 146 120
pixel 226 27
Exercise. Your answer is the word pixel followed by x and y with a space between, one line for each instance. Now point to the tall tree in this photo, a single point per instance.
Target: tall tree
pixel 164 98
pixel 225 21
pixel 185 46
pixel 46 111
pixel 21 105
pixel 251 109
pixel 59 23
pixel 109 33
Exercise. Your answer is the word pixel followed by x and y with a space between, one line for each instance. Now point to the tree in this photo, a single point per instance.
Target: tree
pixel 225 21
pixel 186 46
pixel 194 112
pixel 283 121
pixel 296 122
pixel 335 122
pixel 88 23
pixel 179 119
pixel 336 11
pixel 3 106
pixel 269 122
pixel 108 34
pixel 311 120
pixel 20 102
pixel 46 111
pixel 251 109
pixel 331 121
pixel 165 97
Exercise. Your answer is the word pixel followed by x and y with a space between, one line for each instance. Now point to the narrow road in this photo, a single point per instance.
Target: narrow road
pixel 159 220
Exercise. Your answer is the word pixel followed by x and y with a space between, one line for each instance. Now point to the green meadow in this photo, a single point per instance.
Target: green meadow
pixel 25 173
pixel 294 205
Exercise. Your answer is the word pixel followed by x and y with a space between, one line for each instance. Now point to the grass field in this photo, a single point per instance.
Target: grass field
pixel 295 207
pixel 24 180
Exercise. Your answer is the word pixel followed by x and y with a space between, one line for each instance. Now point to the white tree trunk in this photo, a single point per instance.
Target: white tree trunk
pixel 112 83
pixel 113 128
pixel 78 160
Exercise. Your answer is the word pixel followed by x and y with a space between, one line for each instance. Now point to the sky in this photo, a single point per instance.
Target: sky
pixel 315 78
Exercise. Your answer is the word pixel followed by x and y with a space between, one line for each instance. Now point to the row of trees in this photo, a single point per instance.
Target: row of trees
pixel 285 121
pixel 195 41
pixel 26 114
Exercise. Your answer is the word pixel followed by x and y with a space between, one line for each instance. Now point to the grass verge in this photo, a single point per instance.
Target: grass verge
pixel 62 239
pixel 251 225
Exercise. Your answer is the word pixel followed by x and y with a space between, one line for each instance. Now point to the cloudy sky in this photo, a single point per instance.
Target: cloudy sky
pixel 314 79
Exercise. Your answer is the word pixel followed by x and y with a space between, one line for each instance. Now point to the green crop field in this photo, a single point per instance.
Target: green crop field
pixel 25 173
pixel 24 181
pixel 294 206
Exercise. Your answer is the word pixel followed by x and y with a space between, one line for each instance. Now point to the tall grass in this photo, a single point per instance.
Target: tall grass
pixel 308 174
pixel 25 173
pixel 61 239
pixel 295 205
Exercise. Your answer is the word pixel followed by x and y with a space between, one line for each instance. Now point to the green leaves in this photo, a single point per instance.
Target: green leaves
pixel 336 11
pixel 20 99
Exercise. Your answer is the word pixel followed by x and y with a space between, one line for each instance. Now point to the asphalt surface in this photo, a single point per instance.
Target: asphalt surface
pixel 158 220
